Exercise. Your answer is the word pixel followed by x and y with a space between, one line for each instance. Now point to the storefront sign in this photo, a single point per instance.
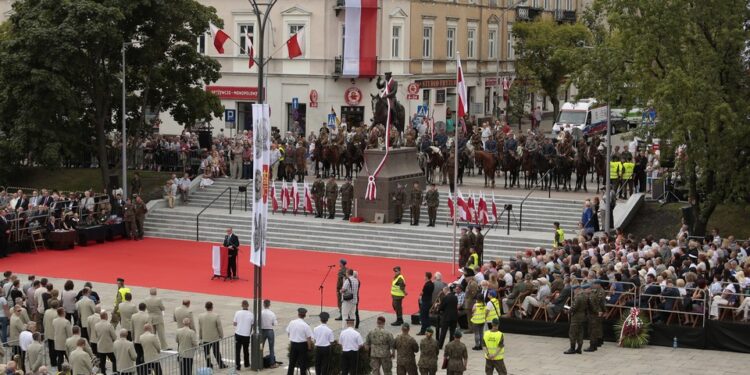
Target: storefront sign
pixel 436 83
pixel 353 96
pixel 234 92
pixel 313 99
pixel 412 91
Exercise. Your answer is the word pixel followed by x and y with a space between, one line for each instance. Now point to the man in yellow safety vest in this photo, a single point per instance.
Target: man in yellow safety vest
pixel 494 350
pixel 493 307
pixel 398 292
pixel 627 178
pixel 122 290
pixel 478 318
pixel 615 172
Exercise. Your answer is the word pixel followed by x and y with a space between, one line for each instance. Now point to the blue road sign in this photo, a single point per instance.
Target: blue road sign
pixel 295 103
pixel 331 120
pixel 422 110
pixel 230 115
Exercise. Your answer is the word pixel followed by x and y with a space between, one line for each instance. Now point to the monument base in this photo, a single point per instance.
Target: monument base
pixel 401 167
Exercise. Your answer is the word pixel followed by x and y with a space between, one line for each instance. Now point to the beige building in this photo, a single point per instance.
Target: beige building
pixel 480 31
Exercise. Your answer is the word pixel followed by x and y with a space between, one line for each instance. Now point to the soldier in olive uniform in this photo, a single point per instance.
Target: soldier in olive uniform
pixel 140 215
pixel 379 343
pixel 428 354
pixel 332 193
pixel 318 190
pixel 479 242
pixel 347 196
pixel 596 304
pixel 432 199
pixel 457 355
pixel 399 197
pixel 128 216
pixel 406 347
pixel 577 319
pixel 464 246
pixel 416 203
pixel 340 282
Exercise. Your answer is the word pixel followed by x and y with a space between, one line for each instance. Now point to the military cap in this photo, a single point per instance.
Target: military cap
pixel 324 316
pixel 496 322
pixel 457 334
pixel 397 268
pixel 406 326
pixel 430 330
pixel 301 310
pixel 342 261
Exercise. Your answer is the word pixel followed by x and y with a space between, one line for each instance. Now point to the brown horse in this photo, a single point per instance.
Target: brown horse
pixel 290 167
pixel 582 167
pixel 511 165
pixel 489 165
pixel 436 160
pixel 600 165
pixel 331 159
pixel 528 165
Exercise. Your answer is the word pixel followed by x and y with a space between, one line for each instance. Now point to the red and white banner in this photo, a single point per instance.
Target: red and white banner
pixel 295 197
pixel 463 105
pixel 494 208
pixel 482 211
pixel 308 199
pixel 360 38
pixel 464 212
pixel 261 167
pixel 295 46
pixel 451 209
pixel 274 201
pixel 284 197
pixel 219 37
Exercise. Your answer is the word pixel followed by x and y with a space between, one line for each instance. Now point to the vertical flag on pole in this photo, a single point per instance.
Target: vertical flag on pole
pixel 274 201
pixel 261 158
pixel 463 106
pixel 494 207
pixel 295 196
pixel 284 197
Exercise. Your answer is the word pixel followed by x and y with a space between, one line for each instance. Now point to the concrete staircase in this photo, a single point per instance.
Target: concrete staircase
pixel 385 240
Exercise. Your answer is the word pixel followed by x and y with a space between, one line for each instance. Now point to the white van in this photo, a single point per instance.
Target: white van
pixel 583 115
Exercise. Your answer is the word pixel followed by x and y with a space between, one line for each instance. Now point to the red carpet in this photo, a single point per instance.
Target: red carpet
pixel 289 275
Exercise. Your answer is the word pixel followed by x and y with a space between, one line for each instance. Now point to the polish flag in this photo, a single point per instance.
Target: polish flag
pixel 472 207
pixel 463 105
pixel 295 196
pixel 494 207
pixel 308 199
pixel 250 51
pixel 295 46
pixel 451 209
pixel 274 201
pixel 284 197
pixel 463 208
pixel 219 37
pixel 482 211
pixel 360 38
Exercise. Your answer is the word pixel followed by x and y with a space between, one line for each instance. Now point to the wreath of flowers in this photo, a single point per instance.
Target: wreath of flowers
pixel 633 330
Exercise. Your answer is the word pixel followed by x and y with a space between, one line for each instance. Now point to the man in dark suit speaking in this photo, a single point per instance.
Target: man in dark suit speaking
pixel 232 242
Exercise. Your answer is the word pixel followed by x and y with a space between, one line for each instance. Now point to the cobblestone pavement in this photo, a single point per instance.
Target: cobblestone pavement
pixel 523 354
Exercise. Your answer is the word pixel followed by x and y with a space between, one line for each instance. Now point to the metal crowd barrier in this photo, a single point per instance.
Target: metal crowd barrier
pixel 192 361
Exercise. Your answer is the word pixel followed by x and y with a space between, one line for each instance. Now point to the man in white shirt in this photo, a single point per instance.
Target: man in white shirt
pixel 25 339
pixel 183 185
pixel 300 337
pixel 267 323
pixel 243 327
pixel 350 290
pixel 351 341
pixel 323 338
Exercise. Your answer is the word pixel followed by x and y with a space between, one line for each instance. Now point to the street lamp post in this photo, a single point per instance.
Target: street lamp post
pixel 256 351
pixel 124 126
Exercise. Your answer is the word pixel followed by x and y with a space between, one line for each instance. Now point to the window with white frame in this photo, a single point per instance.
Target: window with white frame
pixel 396 41
pixel 343 38
pixel 492 42
pixel 450 42
pixel 295 28
pixel 201 45
pixel 427 41
pixel 471 34
pixel 558 4
pixel 569 4
pixel 246 33
pixel 511 42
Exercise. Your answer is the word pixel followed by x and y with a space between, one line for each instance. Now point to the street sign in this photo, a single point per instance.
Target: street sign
pixel 230 115
pixel 331 120
pixel 295 103
pixel 422 110
pixel 412 91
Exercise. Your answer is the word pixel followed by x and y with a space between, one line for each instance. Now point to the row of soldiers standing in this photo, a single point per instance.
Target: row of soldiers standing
pixel 587 307
pixel 330 192
pixel 431 200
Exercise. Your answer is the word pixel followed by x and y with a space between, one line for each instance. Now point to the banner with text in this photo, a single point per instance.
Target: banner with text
pixel 261 158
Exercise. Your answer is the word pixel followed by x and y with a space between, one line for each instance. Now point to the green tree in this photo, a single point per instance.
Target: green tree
pixel 60 73
pixel 547 51
pixel 689 58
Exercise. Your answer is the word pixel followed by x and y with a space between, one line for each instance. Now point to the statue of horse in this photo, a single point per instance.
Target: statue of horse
pixel 380 112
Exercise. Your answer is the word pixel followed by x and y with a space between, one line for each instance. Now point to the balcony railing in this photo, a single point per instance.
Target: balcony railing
pixel 565 16
pixel 338 66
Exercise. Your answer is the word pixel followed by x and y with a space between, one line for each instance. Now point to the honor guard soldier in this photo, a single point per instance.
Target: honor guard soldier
pixel 332 193
pixel 597 303
pixel 416 203
pixel 399 197
pixel 428 353
pixel 347 196
pixel 432 199
pixel 318 190
pixel 456 355
pixel 578 318
pixel 379 343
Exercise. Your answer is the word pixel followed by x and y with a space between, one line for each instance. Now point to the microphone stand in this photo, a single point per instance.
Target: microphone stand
pixel 321 286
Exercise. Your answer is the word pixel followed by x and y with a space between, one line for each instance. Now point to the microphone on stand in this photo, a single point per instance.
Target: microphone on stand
pixel 332 265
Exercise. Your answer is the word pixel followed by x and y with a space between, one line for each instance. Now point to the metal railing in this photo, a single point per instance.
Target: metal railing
pixel 197 217
pixel 197 360
pixel 533 189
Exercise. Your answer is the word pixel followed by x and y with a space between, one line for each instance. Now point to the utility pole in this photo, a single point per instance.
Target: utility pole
pixel 256 351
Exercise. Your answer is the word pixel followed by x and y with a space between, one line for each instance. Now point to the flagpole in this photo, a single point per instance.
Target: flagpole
pixel 455 177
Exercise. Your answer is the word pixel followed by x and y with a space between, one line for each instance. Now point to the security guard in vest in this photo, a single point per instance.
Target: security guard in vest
pixel 615 172
pixel 627 178
pixel 559 236
pixel 494 350
pixel 398 292
pixel 478 318
pixel 473 258
pixel 119 298
pixel 493 307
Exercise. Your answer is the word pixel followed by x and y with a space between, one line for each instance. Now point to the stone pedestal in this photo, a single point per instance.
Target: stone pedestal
pixel 401 167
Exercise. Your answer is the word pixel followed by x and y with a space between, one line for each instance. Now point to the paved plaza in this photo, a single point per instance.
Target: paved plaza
pixel 523 354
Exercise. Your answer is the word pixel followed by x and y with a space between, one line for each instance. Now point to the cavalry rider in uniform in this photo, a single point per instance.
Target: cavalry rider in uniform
pixel 511 145
pixel 565 148
pixel 389 88
pixel 531 145
pixel 491 146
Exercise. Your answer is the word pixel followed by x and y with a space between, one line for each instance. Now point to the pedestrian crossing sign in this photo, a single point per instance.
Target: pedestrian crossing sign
pixel 422 110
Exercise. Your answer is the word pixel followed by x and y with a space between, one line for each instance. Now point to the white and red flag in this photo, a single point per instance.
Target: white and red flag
pixel 463 105
pixel 295 46
pixel 284 197
pixel 308 199
pixel 482 211
pixel 274 201
pixel 219 37
pixel 494 207
pixel 360 38
pixel 295 196
pixel 464 213
pixel 250 51
pixel 451 209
